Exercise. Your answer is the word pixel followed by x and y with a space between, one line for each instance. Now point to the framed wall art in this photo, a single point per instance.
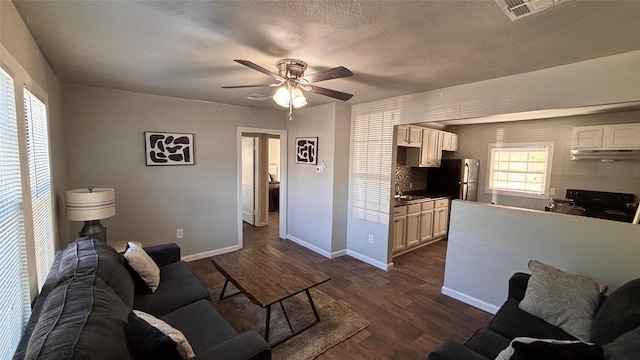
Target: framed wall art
pixel 307 150
pixel 163 148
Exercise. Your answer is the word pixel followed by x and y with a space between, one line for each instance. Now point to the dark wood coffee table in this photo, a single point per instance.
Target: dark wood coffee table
pixel 266 276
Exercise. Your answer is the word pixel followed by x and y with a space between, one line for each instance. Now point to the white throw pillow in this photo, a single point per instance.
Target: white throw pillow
pixel 508 352
pixel 142 263
pixel 565 300
pixel 182 345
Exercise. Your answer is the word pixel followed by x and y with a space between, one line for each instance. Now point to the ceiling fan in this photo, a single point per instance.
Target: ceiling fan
pixel 291 81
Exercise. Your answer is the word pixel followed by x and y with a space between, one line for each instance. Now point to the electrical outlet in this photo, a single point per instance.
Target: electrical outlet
pixel 552 191
pixel 370 238
pixel 179 233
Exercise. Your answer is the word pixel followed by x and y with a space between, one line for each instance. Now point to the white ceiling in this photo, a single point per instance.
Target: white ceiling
pixel 186 49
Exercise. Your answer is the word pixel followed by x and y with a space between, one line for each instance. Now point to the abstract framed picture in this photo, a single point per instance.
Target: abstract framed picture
pixel 164 148
pixel 307 150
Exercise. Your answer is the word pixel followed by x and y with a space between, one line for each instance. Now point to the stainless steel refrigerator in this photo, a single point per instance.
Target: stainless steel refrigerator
pixel 457 178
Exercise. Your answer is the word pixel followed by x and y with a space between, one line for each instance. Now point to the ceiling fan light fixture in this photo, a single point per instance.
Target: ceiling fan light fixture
pixel 285 96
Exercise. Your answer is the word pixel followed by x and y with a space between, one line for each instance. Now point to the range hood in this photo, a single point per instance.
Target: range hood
pixel 605 155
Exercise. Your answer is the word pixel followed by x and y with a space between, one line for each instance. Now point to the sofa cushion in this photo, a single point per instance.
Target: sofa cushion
pixel 562 299
pixel 143 265
pixel 511 322
pixel 201 324
pixel 182 344
pixel 179 287
pixel 87 257
pixel 148 342
pixel 524 348
pixel 82 318
pixel 625 347
pixel 618 314
pixel 487 343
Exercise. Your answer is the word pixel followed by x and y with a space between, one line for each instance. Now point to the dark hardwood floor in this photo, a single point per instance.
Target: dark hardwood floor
pixel 408 315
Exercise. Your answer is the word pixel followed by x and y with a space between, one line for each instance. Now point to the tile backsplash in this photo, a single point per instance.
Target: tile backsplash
pixel 409 178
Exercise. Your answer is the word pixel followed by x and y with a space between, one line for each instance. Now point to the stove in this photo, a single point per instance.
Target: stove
pixel 604 205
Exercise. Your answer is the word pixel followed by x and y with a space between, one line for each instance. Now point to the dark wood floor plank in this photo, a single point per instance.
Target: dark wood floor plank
pixel 408 314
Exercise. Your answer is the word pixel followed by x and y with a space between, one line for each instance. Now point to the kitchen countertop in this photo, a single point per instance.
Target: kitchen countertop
pixel 415 199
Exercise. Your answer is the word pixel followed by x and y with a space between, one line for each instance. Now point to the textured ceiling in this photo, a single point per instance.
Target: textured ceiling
pixel 186 49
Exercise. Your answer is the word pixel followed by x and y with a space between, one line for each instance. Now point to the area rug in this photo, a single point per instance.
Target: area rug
pixel 337 322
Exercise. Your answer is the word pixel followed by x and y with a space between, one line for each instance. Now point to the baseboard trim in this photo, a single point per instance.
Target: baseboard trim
pixel 490 308
pixel 338 253
pixel 210 253
pixel 309 246
pixel 370 261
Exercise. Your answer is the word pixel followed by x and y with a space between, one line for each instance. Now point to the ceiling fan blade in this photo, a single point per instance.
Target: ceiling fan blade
pixel 328 92
pixel 257 67
pixel 335 73
pixel 248 86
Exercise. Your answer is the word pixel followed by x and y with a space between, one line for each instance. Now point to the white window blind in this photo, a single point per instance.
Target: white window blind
pixel 40 182
pixel 372 158
pixel 520 169
pixel 14 281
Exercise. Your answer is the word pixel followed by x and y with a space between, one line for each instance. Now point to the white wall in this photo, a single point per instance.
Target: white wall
pixel 488 243
pixel 105 148
pixel 619 176
pixel 22 59
pixel 314 215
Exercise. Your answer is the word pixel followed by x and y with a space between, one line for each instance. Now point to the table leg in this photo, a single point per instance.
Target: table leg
pixel 266 326
pixel 286 316
pixel 313 306
pixel 224 287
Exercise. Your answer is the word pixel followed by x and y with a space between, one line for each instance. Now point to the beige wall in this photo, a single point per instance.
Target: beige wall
pixel 105 148
pixel 22 59
pixel 618 176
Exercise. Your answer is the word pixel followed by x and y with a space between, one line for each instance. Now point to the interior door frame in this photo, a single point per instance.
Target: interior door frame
pixel 282 226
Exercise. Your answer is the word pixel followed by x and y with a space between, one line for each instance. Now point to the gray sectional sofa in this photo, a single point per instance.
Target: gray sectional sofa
pixel 616 327
pixel 82 309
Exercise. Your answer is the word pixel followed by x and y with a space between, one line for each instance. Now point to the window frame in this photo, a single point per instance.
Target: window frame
pixel 521 146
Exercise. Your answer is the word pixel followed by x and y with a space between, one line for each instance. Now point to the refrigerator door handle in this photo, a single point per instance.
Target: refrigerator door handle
pixel 466 172
pixel 466 192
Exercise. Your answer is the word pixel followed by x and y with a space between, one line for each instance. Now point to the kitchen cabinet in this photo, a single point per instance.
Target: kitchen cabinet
pixel 449 141
pixel 426 222
pixel 441 218
pixel 399 228
pixel 419 224
pixel 410 136
pixel 607 137
pixel 413 225
pixel 430 153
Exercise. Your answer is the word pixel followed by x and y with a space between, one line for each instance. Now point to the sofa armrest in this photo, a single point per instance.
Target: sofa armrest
pixel 164 254
pixel 518 285
pixel 245 346
pixel 451 350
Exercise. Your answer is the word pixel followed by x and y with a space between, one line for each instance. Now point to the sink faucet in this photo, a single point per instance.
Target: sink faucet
pixel 398 191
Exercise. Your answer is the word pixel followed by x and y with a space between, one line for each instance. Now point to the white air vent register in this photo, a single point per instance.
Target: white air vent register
pixel 517 9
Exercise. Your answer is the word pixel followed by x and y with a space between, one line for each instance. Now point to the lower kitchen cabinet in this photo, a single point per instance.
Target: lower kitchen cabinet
pixel 419 224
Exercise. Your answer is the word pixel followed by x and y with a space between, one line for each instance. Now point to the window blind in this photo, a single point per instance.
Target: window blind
pixel 519 168
pixel 40 183
pixel 372 158
pixel 14 281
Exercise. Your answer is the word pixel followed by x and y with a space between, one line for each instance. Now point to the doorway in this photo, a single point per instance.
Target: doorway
pixel 261 181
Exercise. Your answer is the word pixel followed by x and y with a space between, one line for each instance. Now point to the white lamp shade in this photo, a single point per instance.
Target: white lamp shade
pixel 85 204
pixel 282 96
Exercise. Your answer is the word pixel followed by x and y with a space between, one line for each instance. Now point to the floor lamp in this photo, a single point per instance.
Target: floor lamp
pixel 91 205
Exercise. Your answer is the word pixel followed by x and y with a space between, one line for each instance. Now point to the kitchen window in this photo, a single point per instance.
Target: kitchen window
pixel 520 169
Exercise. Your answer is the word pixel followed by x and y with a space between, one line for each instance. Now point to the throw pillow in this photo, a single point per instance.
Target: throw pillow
pixel 182 345
pixel 565 300
pixel 143 265
pixel 625 347
pixel 526 348
pixel 148 342
pixel 618 314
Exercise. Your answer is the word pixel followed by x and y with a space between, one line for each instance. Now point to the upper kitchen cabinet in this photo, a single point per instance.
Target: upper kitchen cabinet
pixel 449 141
pixel 607 137
pixel 410 136
pixel 430 152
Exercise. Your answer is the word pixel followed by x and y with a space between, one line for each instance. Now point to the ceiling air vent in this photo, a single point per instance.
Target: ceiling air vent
pixel 258 97
pixel 517 9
